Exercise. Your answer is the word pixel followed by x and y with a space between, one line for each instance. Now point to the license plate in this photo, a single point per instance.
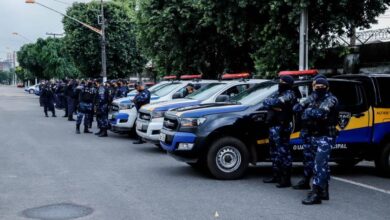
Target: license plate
pixel 163 137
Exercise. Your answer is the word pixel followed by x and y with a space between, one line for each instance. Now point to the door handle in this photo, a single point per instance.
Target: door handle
pixel 358 115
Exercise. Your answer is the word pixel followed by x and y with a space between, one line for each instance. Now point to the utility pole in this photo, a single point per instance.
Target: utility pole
pixel 54 35
pixel 304 40
pixel 103 36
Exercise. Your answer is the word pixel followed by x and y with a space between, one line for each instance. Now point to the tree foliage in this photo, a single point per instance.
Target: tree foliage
pixel 211 36
pixel 5 77
pixel 123 57
pixel 45 59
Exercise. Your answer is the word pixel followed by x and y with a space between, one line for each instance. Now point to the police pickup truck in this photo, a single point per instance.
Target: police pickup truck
pixel 150 117
pixel 224 138
pixel 123 121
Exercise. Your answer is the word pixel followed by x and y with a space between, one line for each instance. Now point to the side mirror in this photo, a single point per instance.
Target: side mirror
pixel 177 95
pixel 222 98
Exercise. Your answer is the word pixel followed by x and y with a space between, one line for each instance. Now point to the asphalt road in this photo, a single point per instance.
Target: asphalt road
pixel 43 162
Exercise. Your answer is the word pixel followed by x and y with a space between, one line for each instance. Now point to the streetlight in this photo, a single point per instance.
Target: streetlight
pixel 22 36
pixel 96 30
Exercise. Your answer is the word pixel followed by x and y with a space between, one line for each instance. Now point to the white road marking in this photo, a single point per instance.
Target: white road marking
pixel 362 185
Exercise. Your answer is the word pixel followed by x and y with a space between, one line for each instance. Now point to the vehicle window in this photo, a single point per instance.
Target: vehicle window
pixel 256 94
pixel 349 96
pixel 384 90
pixel 206 91
pixel 165 90
pixel 235 90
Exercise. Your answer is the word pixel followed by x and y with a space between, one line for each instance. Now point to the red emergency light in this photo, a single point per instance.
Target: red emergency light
pixel 236 75
pixel 191 77
pixel 299 73
pixel 169 77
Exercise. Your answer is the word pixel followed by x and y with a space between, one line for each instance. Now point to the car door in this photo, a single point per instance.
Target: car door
pixel 354 118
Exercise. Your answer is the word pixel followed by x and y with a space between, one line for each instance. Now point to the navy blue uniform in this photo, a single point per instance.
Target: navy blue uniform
pixel 47 99
pixel 142 98
pixel 279 118
pixel 103 101
pixel 320 118
pixel 85 108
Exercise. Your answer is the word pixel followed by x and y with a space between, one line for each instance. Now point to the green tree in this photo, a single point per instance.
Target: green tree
pixel 46 59
pixel 238 35
pixel 123 56
pixel 5 77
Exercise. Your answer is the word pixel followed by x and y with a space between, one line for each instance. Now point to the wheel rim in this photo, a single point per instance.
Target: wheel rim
pixel 228 159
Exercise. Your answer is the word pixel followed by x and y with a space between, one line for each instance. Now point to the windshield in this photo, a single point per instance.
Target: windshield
pixel 256 94
pixel 206 91
pixel 151 89
pixel 166 89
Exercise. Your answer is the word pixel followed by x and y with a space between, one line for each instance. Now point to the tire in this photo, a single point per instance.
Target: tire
pixel 31 91
pixel 227 158
pixel 382 163
pixel 348 163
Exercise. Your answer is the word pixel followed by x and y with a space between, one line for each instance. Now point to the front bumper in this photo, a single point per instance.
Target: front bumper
pixel 173 139
pixel 121 122
pixel 150 130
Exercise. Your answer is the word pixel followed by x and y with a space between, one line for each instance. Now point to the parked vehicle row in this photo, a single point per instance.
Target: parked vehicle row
pixel 222 127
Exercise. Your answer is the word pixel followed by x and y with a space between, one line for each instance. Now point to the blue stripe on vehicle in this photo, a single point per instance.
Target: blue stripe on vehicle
pixel 179 137
pixel 177 105
pixel 213 110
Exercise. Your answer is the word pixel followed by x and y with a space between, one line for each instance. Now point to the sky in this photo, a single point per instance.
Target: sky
pixel 33 21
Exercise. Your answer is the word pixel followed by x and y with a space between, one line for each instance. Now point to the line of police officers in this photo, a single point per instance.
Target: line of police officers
pixel 318 114
pixel 86 99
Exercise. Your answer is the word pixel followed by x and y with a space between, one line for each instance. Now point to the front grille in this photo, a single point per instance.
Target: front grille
pixel 114 108
pixel 170 124
pixel 169 139
pixel 144 116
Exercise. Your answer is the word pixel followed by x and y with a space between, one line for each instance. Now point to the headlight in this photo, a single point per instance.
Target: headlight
pixel 191 122
pixel 158 114
pixel 124 106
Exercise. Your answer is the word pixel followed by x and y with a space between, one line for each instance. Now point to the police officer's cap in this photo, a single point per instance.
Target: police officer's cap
pixel 138 84
pixel 287 79
pixel 322 81
pixel 100 80
pixel 319 76
pixel 190 84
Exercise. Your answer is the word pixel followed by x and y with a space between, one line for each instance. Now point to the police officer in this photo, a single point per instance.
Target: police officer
pixel 70 98
pixel 103 101
pixel 308 151
pixel 189 89
pixel 142 98
pixel 47 98
pixel 85 106
pixel 279 118
pixel 320 118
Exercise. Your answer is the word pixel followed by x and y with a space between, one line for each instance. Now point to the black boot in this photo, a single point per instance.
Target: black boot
pixel 274 179
pixel 325 193
pixel 103 134
pixel 54 115
pixel 99 132
pixel 285 180
pixel 77 129
pixel 139 141
pixel 71 119
pixel 313 197
pixel 304 183
pixel 86 130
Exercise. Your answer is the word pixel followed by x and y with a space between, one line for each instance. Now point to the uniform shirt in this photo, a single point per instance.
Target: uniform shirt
pixel 142 98
pixel 279 107
pixel 322 113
